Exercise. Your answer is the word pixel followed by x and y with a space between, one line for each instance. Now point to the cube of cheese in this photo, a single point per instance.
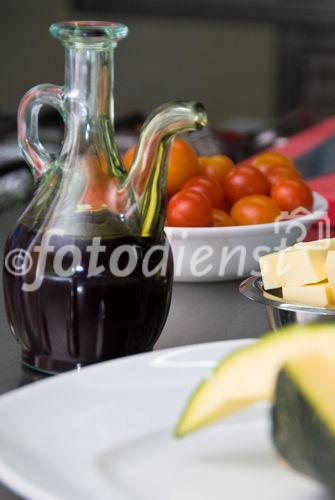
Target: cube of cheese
pixel 287 267
pixel 330 269
pixel 325 244
pixel 302 266
pixel 318 295
pixel 268 265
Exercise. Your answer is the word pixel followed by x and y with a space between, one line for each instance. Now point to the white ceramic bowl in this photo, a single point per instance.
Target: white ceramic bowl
pixel 228 253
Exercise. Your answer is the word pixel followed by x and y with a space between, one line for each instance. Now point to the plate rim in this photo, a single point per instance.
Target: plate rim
pixel 18 484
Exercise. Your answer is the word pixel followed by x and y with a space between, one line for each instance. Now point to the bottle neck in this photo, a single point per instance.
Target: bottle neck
pixel 89 80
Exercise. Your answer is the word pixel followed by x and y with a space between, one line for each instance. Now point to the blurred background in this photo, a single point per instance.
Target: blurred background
pixel 229 64
pixel 263 68
pixel 254 59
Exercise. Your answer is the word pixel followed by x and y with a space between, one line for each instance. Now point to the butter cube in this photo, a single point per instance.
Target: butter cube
pixel 325 244
pixel 268 265
pixel 318 294
pixel 302 266
pixel 298 265
pixel 330 269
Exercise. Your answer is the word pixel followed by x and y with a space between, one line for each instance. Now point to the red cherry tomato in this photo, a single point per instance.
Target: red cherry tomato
pixel 292 194
pixel 206 186
pixel 255 209
pixel 189 209
pixel 244 180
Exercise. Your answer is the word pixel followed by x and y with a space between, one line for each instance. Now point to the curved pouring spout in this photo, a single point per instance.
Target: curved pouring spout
pixel 147 175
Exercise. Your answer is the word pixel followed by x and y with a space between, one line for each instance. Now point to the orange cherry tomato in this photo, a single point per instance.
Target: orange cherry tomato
pixel 264 168
pixel 183 164
pixel 292 194
pixel 95 193
pixel 269 158
pixel 216 167
pixel 208 187
pixel 255 209
pixel 278 172
pixel 128 157
pixel 95 168
pixel 222 219
pixel 189 209
pixel 244 180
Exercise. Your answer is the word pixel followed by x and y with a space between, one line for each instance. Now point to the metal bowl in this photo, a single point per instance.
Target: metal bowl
pixel 281 313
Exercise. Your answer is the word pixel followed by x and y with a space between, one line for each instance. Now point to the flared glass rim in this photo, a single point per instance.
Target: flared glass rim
pixel 88 30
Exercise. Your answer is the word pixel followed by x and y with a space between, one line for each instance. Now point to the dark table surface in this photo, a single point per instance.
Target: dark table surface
pixel 200 312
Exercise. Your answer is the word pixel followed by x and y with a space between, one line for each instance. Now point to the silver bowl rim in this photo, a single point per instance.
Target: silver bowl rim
pixel 252 288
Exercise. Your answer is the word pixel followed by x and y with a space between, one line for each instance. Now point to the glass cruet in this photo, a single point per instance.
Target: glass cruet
pixel 87 268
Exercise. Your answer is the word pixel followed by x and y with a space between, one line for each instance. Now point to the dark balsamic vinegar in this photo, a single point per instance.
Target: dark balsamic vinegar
pixel 79 319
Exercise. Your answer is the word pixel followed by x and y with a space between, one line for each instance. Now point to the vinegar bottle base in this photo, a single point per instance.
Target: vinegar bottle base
pixel 50 366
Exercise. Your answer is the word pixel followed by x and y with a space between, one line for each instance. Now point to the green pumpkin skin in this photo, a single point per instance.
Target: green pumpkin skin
pixel 300 436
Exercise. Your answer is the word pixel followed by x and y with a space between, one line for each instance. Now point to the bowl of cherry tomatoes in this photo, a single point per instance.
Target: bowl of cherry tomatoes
pixel 222 217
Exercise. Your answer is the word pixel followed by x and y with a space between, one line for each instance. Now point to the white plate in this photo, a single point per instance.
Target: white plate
pixel 107 433
pixel 227 253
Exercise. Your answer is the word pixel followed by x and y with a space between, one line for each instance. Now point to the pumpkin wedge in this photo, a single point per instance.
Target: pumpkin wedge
pixel 303 419
pixel 248 375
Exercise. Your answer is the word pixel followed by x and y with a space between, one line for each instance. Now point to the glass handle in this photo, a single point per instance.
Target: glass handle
pixel 33 150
